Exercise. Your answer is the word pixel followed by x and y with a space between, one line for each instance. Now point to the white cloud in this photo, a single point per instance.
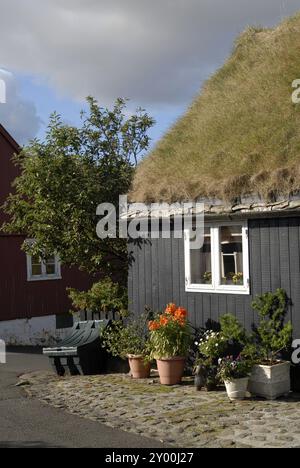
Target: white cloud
pixel 154 52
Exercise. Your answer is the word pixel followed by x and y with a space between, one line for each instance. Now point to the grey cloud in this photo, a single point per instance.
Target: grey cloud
pixel 17 115
pixel 154 52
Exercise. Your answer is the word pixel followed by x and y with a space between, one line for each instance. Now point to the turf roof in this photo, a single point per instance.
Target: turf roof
pixel 241 135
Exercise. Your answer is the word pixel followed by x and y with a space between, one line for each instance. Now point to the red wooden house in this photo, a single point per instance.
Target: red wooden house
pixel 34 307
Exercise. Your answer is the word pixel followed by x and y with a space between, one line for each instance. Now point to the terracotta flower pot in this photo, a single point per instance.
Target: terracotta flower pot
pixel 170 370
pixel 138 368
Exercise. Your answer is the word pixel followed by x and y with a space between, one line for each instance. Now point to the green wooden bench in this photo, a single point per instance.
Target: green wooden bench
pixel 80 353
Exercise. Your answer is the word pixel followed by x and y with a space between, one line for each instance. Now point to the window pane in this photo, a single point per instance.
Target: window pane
pixel 50 259
pixel 36 265
pixel 50 265
pixel 231 251
pixel 36 270
pixel 201 262
pixel 50 269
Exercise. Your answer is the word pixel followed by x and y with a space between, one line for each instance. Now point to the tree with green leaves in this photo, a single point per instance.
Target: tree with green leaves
pixel 64 178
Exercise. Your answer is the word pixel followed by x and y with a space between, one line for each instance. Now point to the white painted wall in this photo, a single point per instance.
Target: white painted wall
pixel 37 331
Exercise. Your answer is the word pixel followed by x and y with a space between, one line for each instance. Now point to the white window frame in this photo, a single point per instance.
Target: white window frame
pixel 44 276
pixel 216 286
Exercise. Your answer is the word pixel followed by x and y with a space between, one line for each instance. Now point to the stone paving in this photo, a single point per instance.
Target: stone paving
pixel 179 416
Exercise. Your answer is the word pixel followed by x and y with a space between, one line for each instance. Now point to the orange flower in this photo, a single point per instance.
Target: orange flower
pixel 181 313
pixel 153 326
pixel 171 308
pixel 180 320
pixel 163 320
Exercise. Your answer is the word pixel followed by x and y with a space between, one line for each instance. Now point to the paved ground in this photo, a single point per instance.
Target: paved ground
pixel 26 422
pixel 178 415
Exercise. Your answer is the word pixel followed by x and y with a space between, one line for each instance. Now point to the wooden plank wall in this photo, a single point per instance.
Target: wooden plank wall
pixel 156 275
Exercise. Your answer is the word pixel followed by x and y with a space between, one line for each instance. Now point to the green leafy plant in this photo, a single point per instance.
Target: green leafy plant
pixel 231 368
pixel 232 330
pixel 232 339
pixel 237 278
pixel 170 333
pixel 272 334
pixel 130 337
pixel 207 277
pixel 104 296
pixel 212 345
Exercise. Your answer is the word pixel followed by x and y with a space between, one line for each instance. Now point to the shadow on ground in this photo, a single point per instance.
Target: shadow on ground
pixel 33 444
pixel 25 349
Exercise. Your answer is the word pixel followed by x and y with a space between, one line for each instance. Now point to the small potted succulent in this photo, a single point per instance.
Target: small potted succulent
pixel 235 373
pixel 129 339
pixel 271 375
pixel 170 339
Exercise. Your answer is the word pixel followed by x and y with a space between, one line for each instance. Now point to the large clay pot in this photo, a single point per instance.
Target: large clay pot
pixel 271 382
pixel 237 389
pixel 171 370
pixel 139 369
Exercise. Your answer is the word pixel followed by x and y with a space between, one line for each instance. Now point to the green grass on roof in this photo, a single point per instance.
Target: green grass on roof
pixel 241 135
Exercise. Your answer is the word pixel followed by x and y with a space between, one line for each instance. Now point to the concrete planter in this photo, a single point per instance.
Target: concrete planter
pixel 237 389
pixel 138 368
pixel 270 382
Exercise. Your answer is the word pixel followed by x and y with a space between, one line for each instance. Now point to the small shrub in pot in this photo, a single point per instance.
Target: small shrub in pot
pixel 272 336
pixel 129 339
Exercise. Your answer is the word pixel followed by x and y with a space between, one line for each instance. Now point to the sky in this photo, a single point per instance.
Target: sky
pixel 156 53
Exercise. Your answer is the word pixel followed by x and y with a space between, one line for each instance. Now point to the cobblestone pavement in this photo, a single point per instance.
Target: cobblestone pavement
pixel 179 415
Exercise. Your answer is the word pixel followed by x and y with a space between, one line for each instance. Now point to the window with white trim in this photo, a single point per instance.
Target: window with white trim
pixel 39 269
pixel 221 265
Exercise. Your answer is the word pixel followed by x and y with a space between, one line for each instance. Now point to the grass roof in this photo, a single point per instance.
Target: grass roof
pixel 241 135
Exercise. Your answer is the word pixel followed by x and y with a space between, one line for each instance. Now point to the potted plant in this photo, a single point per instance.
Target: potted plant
pixel 207 277
pixel 271 376
pixel 235 373
pixel 130 340
pixel 231 339
pixel 211 346
pixel 237 278
pixel 170 338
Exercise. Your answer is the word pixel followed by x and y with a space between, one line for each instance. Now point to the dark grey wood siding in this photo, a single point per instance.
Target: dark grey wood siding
pixel 157 276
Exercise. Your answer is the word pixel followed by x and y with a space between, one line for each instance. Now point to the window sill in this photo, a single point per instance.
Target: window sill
pixel 46 278
pixel 221 290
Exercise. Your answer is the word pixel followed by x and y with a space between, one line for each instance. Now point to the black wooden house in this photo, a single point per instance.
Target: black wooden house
pixel 259 252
